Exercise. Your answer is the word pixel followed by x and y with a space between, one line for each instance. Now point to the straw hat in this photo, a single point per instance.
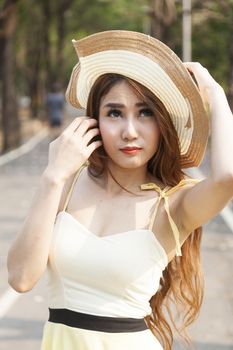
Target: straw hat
pixel 154 65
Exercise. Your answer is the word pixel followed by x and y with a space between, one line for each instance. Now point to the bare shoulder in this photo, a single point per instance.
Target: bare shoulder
pixel 68 185
pixel 80 189
pixel 65 192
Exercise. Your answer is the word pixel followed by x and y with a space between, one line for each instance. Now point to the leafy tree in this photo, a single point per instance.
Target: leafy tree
pixel 9 120
pixel 36 49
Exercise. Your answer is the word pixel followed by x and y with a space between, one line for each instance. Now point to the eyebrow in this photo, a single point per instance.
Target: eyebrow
pixel 119 105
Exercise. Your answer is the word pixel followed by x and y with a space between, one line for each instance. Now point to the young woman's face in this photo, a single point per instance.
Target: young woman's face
pixel 128 128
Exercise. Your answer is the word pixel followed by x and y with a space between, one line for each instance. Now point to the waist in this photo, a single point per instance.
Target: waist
pixel 96 323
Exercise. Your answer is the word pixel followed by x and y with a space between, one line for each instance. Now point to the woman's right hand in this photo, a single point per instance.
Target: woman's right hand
pixel 72 149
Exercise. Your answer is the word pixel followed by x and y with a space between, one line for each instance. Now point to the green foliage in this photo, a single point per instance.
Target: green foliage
pixel 107 14
pixel 212 32
pixel 93 16
pixel 211 41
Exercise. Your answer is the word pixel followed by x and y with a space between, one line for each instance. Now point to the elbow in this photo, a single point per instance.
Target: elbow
pixel 22 280
pixel 19 285
pixel 18 280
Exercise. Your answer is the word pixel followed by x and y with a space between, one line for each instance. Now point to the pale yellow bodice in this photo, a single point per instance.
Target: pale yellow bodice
pixel 163 195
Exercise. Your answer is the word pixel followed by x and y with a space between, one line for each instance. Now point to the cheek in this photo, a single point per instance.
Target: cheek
pixel 107 134
pixel 153 134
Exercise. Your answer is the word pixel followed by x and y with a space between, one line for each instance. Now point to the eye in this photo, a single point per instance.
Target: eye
pixel 146 112
pixel 114 113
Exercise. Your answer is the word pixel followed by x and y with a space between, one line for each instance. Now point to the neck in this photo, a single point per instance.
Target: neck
pixel 130 179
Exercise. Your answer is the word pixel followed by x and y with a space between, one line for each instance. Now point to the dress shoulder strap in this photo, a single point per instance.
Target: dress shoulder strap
pixel 164 194
pixel 72 186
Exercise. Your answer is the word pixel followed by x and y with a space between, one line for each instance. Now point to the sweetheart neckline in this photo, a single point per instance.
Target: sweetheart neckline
pixel 115 234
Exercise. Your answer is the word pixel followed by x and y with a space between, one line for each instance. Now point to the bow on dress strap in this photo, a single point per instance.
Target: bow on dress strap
pixel 164 194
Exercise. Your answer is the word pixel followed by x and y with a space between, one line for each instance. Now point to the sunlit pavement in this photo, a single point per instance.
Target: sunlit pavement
pixel 21 324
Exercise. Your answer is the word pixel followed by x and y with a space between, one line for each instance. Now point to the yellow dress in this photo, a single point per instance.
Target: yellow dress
pixel 110 279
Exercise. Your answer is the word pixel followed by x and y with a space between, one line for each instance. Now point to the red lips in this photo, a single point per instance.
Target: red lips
pixel 130 150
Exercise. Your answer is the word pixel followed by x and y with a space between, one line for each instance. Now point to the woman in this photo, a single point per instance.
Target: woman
pixel 55 104
pixel 115 218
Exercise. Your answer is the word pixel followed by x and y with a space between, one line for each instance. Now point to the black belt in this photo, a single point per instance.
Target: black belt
pixel 96 323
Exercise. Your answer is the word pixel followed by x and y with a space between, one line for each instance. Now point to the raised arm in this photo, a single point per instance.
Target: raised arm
pixel 204 200
pixel 28 256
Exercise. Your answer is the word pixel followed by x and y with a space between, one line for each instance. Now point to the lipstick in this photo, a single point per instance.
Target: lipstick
pixel 131 150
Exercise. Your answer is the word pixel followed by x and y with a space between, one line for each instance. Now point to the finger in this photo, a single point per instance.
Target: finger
pixel 195 67
pixel 195 70
pixel 192 64
pixel 93 146
pixel 90 134
pixel 85 125
pixel 193 76
pixel 73 125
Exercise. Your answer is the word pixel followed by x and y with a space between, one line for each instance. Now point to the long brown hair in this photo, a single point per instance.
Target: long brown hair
pixel 182 281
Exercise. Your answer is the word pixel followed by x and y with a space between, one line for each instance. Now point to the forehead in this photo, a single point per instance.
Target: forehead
pixel 121 91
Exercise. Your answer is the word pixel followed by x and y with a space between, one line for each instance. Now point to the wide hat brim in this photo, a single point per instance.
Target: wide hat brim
pixel 154 65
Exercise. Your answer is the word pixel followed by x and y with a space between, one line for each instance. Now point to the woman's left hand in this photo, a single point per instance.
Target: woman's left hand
pixel 205 81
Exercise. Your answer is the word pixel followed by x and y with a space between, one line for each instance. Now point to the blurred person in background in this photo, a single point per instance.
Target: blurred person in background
pixel 55 103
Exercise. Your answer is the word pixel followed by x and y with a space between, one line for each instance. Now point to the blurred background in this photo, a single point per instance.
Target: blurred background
pixel 36 48
pixel 36 60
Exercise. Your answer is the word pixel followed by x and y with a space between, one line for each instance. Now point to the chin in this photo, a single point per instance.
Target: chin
pixel 130 164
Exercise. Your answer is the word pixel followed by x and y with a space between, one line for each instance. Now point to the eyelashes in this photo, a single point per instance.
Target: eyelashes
pixel 145 112
pixel 114 112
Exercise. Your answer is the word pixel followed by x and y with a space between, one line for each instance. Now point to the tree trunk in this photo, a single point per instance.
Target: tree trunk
pixel 38 54
pixel 230 91
pixel 62 7
pixel 10 119
pixel 46 24
pixel 60 45
pixel 163 13
pixel 33 76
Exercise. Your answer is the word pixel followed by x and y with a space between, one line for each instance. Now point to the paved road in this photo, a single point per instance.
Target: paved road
pixel 22 324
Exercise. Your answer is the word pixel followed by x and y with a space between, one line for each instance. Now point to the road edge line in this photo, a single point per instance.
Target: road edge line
pixel 7 300
pixel 25 148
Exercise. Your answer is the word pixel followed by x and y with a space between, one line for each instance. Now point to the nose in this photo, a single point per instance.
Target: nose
pixel 129 130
